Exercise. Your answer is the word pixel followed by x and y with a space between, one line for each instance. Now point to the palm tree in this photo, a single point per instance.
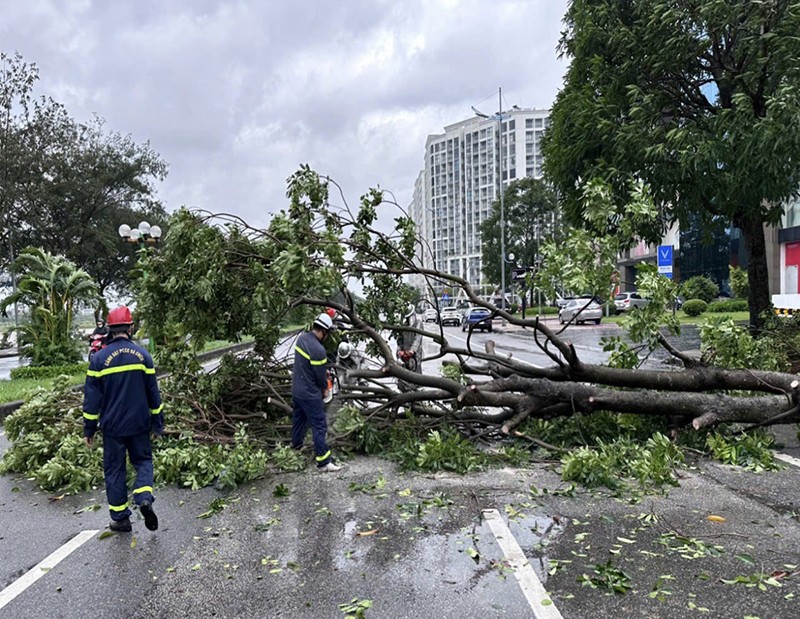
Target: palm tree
pixel 53 288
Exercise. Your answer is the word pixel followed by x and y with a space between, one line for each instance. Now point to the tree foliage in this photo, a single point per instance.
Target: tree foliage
pixel 531 218
pixel 700 287
pixel 217 275
pixel 66 186
pixel 700 99
pixel 53 288
pixel 237 280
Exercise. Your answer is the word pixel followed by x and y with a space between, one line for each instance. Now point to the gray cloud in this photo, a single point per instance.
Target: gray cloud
pixel 234 95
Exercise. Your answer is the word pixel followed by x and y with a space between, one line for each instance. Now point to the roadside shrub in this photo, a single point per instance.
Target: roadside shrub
pixel 48 371
pixel 728 305
pixel 694 307
pixel 740 284
pixel 700 287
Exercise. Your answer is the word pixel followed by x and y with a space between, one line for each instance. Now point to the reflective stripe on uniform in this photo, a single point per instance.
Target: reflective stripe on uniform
pixel 144 489
pixel 156 411
pixel 90 417
pixel 307 356
pixel 325 456
pixel 122 368
pixel 118 508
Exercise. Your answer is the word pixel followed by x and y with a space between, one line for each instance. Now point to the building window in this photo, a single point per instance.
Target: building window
pixel 791 214
pixel 539 123
pixel 529 123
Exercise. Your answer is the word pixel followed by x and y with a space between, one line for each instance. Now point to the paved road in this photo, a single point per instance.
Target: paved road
pixel 586 339
pixel 414 545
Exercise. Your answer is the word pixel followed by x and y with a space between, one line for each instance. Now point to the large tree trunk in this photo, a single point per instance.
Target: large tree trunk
pixel 752 229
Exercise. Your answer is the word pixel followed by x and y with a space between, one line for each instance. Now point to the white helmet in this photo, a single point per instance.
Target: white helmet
pixel 344 350
pixel 410 310
pixel 324 322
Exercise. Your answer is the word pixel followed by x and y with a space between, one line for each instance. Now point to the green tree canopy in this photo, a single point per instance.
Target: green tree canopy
pixel 53 288
pixel 67 186
pixel 531 218
pixel 700 99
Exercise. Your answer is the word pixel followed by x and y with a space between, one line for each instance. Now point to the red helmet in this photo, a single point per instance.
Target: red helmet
pixel 330 312
pixel 119 316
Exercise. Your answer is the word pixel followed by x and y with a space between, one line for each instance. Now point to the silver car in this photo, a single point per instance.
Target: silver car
pixel 582 310
pixel 626 301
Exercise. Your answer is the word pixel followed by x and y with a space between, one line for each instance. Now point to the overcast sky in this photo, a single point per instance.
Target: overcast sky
pixel 234 95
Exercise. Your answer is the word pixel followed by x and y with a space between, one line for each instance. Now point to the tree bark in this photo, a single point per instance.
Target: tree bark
pixel 752 229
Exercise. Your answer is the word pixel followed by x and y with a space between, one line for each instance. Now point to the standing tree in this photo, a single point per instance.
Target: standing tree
pixel 700 99
pixel 53 288
pixel 531 218
pixel 67 186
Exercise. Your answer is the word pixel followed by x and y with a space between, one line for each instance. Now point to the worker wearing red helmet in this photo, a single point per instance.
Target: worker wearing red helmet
pixel 121 396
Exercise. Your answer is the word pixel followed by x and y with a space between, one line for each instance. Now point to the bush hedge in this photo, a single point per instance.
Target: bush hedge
pixel 700 287
pixel 48 371
pixel 728 305
pixel 694 307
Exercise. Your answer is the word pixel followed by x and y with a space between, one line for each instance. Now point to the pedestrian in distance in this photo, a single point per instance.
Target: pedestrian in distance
pixel 309 389
pixel 121 397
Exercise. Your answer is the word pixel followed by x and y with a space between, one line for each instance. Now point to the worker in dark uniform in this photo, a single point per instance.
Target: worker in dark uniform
pixel 121 395
pixel 309 387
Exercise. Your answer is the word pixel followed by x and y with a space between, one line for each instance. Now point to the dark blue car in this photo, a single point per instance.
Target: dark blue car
pixel 474 318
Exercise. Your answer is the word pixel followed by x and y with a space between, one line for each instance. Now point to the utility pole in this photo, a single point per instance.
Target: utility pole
pixel 502 207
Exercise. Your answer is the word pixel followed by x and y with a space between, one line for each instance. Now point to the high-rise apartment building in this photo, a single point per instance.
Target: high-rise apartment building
pixel 454 192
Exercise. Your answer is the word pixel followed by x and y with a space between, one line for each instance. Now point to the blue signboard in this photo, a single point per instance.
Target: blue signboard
pixel 665 260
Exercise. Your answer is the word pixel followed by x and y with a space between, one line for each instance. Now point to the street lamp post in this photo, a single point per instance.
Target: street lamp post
pixel 499 118
pixel 142 235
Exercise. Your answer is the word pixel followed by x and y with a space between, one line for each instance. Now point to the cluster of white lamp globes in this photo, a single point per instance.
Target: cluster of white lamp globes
pixel 145 233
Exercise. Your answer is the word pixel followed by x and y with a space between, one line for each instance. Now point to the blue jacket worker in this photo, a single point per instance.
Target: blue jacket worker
pixel 309 385
pixel 121 395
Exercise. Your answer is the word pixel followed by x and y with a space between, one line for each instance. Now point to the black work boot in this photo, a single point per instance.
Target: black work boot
pixel 121 526
pixel 150 518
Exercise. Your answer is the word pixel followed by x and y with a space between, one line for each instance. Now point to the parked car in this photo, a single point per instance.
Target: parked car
pixel 582 310
pixel 431 315
pixel 626 301
pixel 474 318
pixel 562 301
pixel 450 316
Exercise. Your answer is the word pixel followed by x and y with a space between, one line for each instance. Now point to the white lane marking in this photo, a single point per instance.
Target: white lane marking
pixel 41 568
pixel 787 458
pixel 532 588
pixel 518 360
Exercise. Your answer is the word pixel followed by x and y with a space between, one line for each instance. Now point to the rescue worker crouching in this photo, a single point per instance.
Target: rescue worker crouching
pixel 121 396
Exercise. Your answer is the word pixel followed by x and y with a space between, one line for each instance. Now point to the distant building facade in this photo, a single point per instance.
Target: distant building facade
pixel 460 180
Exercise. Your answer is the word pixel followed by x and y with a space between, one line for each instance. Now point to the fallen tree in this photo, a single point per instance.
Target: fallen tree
pixel 216 277
pixel 233 279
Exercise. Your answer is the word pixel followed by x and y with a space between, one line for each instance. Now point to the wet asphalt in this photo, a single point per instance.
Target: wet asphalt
pixel 417 545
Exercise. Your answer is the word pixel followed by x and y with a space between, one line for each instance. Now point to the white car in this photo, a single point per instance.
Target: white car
pixel 626 301
pixel 431 315
pixel 582 310
pixel 450 316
